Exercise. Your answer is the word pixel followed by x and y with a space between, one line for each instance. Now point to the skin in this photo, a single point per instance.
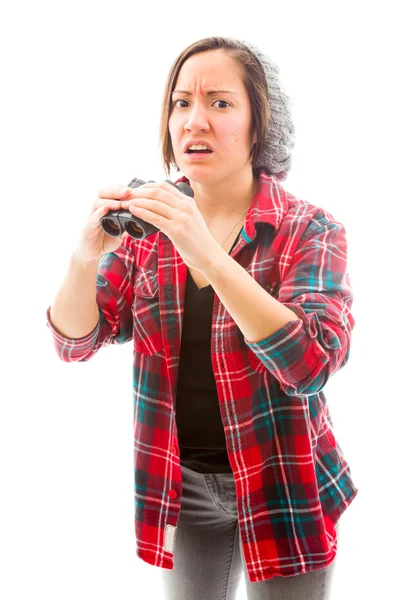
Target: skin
pixel 223 185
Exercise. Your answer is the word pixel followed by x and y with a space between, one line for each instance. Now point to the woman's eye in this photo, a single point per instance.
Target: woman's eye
pixel 223 102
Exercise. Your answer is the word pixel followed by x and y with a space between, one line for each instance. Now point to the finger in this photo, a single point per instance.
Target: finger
pixel 153 209
pixel 114 191
pixel 155 193
pixel 163 185
pixel 106 202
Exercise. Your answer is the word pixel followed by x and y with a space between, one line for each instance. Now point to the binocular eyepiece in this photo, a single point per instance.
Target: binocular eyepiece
pixel 116 221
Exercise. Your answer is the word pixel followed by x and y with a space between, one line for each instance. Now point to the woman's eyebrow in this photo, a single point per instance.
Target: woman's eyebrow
pixel 209 93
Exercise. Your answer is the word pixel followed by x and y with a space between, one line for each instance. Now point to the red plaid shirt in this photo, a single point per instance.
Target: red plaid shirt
pixel 292 480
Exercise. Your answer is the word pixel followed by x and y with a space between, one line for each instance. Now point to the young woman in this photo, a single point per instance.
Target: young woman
pixel 239 309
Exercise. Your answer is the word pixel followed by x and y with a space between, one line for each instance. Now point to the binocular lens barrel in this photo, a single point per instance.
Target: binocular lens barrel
pixel 112 228
pixel 134 229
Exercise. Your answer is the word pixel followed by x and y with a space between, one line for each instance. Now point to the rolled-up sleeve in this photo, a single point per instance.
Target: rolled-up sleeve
pixel 304 353
pixel 114 296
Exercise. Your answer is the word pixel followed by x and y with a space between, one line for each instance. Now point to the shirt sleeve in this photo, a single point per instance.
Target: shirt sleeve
pixel 304 353
pixel 114 295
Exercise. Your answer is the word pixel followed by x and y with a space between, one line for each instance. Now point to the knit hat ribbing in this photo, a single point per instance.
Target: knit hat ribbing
pixel 276 155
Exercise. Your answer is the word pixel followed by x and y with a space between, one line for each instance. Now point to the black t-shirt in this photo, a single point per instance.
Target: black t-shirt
pixel 201 436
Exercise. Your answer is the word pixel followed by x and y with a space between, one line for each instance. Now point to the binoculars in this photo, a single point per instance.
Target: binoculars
pixel 116 221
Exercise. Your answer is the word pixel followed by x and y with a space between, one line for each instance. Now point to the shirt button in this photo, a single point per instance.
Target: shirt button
pixel 172 494
pixel 174 449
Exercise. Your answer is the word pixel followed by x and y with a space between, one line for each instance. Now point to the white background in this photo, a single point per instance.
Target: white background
pixel 82 84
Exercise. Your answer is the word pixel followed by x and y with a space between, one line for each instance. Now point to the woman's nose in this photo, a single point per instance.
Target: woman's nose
pixel 197 119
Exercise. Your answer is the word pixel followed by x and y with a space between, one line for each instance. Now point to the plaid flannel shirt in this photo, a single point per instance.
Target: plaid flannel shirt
pixel 292 480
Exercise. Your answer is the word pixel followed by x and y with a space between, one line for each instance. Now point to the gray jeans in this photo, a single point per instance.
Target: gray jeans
pixel 208 556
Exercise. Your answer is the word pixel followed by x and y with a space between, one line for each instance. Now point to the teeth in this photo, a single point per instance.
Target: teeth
pixel 198 147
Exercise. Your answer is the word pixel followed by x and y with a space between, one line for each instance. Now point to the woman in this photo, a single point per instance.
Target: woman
pixel 239 309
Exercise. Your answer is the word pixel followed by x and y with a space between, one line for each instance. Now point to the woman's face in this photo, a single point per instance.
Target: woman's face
pixel 223 119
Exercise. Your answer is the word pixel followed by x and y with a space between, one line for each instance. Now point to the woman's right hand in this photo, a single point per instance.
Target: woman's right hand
pixel 93 242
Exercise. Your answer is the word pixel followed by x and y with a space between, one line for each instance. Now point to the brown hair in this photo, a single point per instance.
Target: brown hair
pixel 255 83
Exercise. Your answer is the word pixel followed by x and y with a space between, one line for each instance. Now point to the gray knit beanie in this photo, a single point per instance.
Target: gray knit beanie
pixel 276 155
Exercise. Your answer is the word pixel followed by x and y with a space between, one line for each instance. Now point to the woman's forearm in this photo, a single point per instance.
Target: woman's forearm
pixel 74 312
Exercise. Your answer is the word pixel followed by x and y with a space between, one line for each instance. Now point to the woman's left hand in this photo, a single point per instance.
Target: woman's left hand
pixel 176 215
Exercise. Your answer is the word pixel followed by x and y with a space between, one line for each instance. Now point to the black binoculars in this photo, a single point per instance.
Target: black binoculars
pixel 116 221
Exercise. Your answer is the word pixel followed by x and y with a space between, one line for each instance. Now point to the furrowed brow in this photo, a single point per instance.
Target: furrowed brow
pixel 209 93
